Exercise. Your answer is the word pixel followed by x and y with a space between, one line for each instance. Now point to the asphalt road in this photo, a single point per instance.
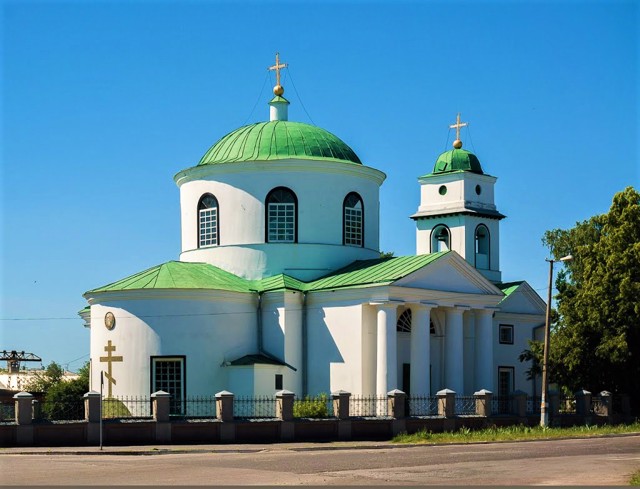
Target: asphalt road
pixel 596 461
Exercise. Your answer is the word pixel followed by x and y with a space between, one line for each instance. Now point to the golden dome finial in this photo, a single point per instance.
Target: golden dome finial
pixel 278 89
pixel 457 144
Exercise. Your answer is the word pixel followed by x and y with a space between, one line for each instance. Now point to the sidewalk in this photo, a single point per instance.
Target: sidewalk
pixel 186 449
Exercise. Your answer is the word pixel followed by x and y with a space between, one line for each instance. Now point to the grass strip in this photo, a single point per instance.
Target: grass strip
pixel 515 433
pixel 635 479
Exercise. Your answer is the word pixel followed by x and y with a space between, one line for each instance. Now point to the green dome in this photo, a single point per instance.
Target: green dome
pixel 457 160
pixel 278 140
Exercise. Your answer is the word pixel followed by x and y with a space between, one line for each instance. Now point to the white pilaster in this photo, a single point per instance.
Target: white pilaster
pixel 387 350
pixel 484 350
pixel 453 350
pixel 420 349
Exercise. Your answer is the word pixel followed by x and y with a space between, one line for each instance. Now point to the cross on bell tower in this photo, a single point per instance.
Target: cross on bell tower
pixel 457 144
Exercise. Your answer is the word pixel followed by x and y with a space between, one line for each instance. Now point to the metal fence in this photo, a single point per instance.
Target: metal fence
pixel 422 406
pixel 465 405
pixel 598 406
pixel 7 411
pixel 59 410
pixel 567 405
pixel 533 405
pixel 502 405
pixel 194 407
pixel 369 406
pixel 127 407
pixel 254 407
pixel 320 406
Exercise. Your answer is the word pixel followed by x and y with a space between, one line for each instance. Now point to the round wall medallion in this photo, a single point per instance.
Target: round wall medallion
pixel 109 320
pixel 442 190
pixel 478 189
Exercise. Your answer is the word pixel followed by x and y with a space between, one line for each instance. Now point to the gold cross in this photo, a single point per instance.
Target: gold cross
pixel 110 359
pixel 277 68
pixel 457 126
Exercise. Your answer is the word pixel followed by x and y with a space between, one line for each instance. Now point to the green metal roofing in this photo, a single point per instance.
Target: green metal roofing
pixel 457 160
pixel 277 140
pixel 279 282
pixel 509 287
pixel 185 275
pixel 180 275
pixel 381 271
pixel 278 98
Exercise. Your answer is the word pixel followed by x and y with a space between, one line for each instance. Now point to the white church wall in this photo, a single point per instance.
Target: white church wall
pixel 320 188
pixel 147 327
pixel 335 353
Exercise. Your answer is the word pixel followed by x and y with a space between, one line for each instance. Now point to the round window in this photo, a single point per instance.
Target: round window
pixel 478 189
pixel 442 189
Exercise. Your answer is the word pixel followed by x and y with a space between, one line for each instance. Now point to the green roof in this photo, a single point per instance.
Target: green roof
pixel 509 288
pixel 185 275
pixel 381 271
pixel 457 160
pixel 278 140
pixel 180 275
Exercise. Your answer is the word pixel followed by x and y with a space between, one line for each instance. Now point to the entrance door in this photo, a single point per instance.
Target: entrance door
pixel 505 389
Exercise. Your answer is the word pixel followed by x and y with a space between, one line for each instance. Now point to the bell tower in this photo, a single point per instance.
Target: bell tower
pixel 457 210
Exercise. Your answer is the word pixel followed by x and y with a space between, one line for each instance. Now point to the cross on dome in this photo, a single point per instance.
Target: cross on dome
pixel 278 89
pixel 458 143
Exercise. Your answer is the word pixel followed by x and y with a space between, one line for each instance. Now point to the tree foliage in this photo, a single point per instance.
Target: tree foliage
pixel 596 340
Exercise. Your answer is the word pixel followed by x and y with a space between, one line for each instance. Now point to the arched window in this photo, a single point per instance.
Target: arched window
pixel 482 247
pixel 208 221
pixel 440 239
pixel 282 216
pixel 353 220
pixel 404 322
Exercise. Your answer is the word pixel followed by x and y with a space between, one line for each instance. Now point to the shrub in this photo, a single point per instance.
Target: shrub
pixel 311 407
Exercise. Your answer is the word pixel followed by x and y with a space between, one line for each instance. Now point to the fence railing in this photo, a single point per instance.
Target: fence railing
pixel 598 406
pixel 313 407
pixel 567 405
pixel 422 406
pixel 533 405
pixel 59 410
pixel 194 407
pixel 127 407
pixel 7 411
pixel 465 405
pixel 502 405
pixel 254 407
pixel 369 406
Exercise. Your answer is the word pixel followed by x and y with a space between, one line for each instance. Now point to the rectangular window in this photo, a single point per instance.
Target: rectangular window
pixel 506 334
pixel 352 226
pixel 279 382
pixel 168 376
pixel 209 226
pixel 282 223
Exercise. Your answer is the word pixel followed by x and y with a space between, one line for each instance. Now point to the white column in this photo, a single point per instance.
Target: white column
pixel 468 322
pixel 484 350
pixel 454 350
pixel 420 349
pixel 387 350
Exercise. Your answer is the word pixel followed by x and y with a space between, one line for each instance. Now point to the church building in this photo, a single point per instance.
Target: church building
pixel 280 283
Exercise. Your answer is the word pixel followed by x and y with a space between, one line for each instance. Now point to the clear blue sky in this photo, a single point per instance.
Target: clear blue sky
pixel 103 102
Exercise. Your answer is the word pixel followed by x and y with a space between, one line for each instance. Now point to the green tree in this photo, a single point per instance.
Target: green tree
pixel 42 382
pixel 595 343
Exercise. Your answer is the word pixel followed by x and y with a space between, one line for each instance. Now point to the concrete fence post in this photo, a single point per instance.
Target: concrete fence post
pixel 92 407
pixel 607 405
pixel 341 404
pixel 24 418
pixel 483 402
pixel 92 414
pixel 446 403
pixel 284 405
pixel 224 406
pixel 520 404
pixel 24 408
pixel 396 399
pixel 583 403
pixel 161 401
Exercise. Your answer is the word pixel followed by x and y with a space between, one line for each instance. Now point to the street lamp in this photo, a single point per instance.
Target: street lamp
pixel 544 405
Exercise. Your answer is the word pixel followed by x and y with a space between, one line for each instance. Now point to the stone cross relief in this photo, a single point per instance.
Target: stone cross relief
pixel 109 359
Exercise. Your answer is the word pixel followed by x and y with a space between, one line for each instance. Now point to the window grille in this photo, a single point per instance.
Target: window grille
pixel 353 220
pixel 207 221
pixel 404 322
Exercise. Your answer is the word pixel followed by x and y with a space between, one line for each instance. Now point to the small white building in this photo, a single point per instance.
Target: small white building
pixel 280 283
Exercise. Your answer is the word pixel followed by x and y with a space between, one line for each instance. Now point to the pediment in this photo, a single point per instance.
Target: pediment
pixel 450 273
pixel 523 300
